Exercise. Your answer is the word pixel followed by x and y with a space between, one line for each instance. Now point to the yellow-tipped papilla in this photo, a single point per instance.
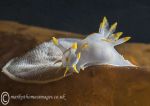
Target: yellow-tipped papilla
pixel 55 41
pixel 113 27
pixel 75 68
pixel 117 35
pixel 74 45
pixel 126 38
pixel 122 40
pixel 103 23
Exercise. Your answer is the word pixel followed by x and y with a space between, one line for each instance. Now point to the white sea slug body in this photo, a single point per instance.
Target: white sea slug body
pixel 99 49
pixel 70 53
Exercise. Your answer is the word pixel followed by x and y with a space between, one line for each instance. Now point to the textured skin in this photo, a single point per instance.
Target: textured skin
pixel 38 65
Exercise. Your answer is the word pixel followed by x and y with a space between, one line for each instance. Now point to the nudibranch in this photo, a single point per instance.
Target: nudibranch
pixel 46 62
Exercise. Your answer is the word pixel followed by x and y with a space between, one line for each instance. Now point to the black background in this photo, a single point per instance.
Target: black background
pixel 133 16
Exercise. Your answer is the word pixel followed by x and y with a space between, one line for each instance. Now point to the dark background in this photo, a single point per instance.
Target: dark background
pixel 133 16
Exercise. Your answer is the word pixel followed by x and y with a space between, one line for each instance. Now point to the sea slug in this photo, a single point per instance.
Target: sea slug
pixel 46 62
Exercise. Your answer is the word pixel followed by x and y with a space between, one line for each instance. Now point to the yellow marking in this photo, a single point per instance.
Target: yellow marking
pixel 126 38
pixel 78 55
pixel 85 45
pixel 75 68
pixel 103 23
pixel 74 45
pixel 55 41
pixel 113 27
pixel 117 35
pixel 67 69
pixel 107 40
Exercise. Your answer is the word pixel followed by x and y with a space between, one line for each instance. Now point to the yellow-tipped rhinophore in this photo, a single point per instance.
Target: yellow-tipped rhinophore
pixel 67 69
pixel 55 41
pixel 117 35
pixel 103 23
pixel 126 38
pixel 78 56
pixel 113 27
pixel 74 45
pixel 75 68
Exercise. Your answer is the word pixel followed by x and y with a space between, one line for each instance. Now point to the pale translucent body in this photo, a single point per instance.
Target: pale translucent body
pixel 39 65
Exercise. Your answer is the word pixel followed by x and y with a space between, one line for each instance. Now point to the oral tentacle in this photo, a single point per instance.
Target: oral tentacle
pixel 75 68
pixel 78 56
pixel 67 69
pixel 71 50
